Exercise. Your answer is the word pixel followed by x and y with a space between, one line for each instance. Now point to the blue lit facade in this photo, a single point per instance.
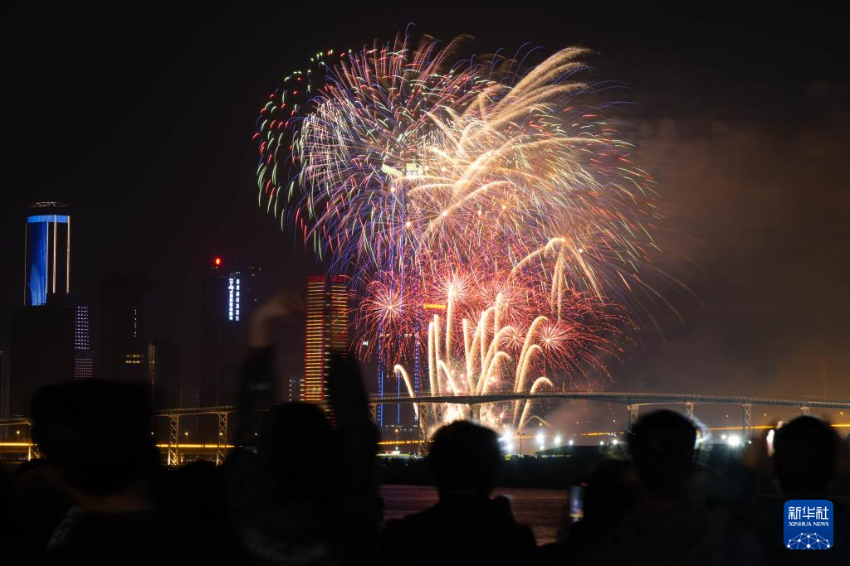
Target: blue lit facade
pixel 47 267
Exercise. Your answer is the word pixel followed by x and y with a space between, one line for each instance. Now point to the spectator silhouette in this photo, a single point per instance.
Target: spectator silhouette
pixel 40 501
pixel 665 527
pixel 307 495
pixel 609 495
pixel 805 458
pixel 97 434
pixel 466 526
pixel 286 500
pixel 804 464
pixel 10 531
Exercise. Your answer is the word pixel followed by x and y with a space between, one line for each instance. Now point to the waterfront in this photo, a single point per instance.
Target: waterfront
pixel 540 509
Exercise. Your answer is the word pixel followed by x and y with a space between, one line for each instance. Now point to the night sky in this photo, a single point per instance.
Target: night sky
pixel 142 118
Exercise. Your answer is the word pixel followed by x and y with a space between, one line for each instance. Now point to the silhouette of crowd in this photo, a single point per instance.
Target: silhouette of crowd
pixel 100 494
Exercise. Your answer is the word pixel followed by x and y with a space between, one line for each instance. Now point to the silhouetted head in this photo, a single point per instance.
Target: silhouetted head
pixel 297 442
pixel 97 433
pixel 662 449
pixel 464 457
pixel 805 456
pixel 610 492
pixel 297 428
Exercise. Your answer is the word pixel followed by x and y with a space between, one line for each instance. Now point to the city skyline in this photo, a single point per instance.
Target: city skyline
pixel 424 283
pixel 760 254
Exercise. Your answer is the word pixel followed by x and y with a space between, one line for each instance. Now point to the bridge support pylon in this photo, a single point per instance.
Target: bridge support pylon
pixel 424 419
pixel 747 420
pixel 634 414
pixel 805 410
pixel 221 447
pixel 173 440
pixel 689 409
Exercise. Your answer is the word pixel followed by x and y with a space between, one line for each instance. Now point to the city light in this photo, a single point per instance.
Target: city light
pixel 734 441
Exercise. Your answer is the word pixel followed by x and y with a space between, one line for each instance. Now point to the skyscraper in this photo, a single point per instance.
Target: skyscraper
pixel 231 289
pixel 390 382
pixel 47 252
pixel 292 394
pixel 4 388
pixel 51 336
pixel 326 331
pixel 125 303
pixel 83 362
pixel 164 373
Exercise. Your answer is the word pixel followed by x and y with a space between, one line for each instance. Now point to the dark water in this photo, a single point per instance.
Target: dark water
pixel 540 509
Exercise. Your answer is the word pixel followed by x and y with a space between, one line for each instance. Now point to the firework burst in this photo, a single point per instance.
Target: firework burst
pixel 484 186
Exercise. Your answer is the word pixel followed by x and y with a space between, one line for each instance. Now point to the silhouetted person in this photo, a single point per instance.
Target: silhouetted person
pixel 805 458
pixel 10 528
pixel 466 526
pixel 307 495
pixel 97 435
pixel 193 495
pixel 665 527
pixel 608 496
pixel 804 464
pixel 41 500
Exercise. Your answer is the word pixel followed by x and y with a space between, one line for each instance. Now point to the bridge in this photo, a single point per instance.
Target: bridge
pixel 633 401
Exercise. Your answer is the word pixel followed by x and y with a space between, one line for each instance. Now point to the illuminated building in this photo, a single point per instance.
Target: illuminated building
pixel 292 393
pixel 51 334
pixel 402 414
pixel 4 389
pixel 47 252
pixel 125 303
pixel 164 374
pixel 230 291
pixel 83 362
pixel 326 332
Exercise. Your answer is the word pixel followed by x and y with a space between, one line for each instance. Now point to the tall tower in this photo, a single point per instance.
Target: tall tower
pixel 326 332
pixel 47 252
pixel 51 336
pixel 230 291
pixel 83 359
pixel 125 302
pixel 4 388
pixel 164 373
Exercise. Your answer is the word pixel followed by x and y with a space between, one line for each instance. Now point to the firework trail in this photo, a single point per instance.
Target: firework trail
pixel 488 186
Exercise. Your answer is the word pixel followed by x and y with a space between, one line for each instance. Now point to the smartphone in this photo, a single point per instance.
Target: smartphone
pixel 577 503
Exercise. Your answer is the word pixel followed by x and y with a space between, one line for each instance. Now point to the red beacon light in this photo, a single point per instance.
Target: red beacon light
pixel 217 261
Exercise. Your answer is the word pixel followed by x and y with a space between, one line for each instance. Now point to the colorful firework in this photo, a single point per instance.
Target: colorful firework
pixel 492 187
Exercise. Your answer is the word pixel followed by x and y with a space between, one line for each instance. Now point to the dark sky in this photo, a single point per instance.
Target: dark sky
pixel 142 117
